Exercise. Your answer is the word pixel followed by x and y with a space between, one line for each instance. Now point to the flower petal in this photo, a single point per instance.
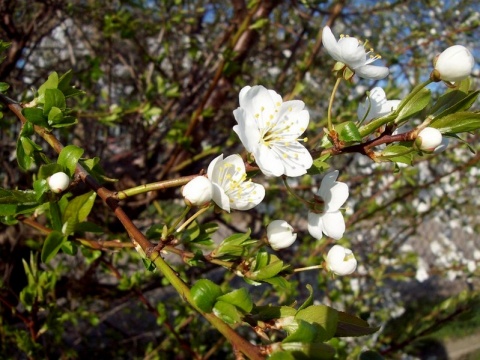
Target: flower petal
pixel 211 168
pixel 258 104
pixel 336 197
pixel 315 225
pixel 247 197
pixel 372 72
pixel 246 129
pixel 220 198
pixel 327 182
pixel 331 44
pixel 268 161
pixel 333 224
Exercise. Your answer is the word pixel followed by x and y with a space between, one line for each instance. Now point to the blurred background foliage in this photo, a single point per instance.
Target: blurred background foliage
pixel 161 79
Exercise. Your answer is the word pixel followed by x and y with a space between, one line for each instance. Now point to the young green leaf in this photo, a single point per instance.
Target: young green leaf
pixel 227 312
pixel 53 98
pixel 240 298
pixel 324 317
pixel 69 157
pixel 35 116
pixel 348 132
pixel 205 293
pixel 52 244
pixel 411 107
pixel 349 325
pixel 457 123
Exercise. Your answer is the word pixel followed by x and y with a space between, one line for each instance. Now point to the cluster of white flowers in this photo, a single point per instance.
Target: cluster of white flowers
pixel 271 131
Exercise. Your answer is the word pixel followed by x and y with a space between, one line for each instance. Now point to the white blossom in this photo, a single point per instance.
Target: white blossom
pixel 454 64
pixel 329 221
pixel 280 234
pixel 270 129
pixel 351 52
pixel 376 105
pixel 230 189
pixel 341 261
pixel 58 182
pixel 429 139
pixel 198 191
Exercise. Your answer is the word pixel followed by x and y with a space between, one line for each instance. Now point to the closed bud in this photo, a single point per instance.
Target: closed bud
pixel 429 139
pixel 58 182
pixel 341 261
pixel 280 234
pixel 198 192
pixel 454 64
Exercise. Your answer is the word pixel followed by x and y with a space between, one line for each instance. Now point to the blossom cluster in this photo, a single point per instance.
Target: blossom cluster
pixel 271 131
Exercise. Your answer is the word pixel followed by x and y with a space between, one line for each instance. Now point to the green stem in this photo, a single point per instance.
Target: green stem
pixel 160 185
pixel 313 267
pixel 238 342
pixel 290 190
pixel 182 216
pixel 330 104
pixel 193 217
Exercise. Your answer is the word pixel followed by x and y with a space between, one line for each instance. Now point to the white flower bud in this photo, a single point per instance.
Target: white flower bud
pixel 428 139
pixel 341 261
pixel 443 146
pixel 198 192
pixel 454 64
pixel 58 182
pixel 280 234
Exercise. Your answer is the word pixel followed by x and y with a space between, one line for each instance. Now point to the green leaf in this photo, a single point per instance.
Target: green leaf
pixel 65 122
pixel 410 107
pixel 65 87
pixel 29 145
pixel 259 24
pixel 55 216
pixel 309 300
pixel 51 83
pixel 281 355
pixel 397 153
pixel 55 115
pixel 324 317
pixel 266 266
pixel 52 244
pixel 77 211
pixel 35 116
pixel 270 312
pixel 53 98
pixel 348 132
pixel 227 312
pixel 305 333
pixel 452 102
pixel 457 123
pixel 312 351
pixel 4 86
pixel 239 298
pixel 205 293
pixel 69 157
pixel 47 170
pixel 349 325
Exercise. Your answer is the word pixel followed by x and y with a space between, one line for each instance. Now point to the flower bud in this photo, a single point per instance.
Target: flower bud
pixel 428 139
pixel 454 64
pixel 198 192
pixel 341 261
pixel 58 182
pixel 280 234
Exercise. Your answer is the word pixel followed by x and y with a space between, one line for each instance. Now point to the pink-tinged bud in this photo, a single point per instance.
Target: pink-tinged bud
pixel 428 139
pixel 341 261
pixel 58 182
pixel 454 64
pixel 280 234
pixel 198 192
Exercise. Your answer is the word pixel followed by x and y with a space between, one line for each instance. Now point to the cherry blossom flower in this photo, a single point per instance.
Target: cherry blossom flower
pixel 230 189
pixel 280 234
pixel 351 52
pixel 58 182
pixel 328 220
pixel 270 129
pixel 429 139
pixel 198 191
pixel 376 105
pixel 454 64
pixel 341 261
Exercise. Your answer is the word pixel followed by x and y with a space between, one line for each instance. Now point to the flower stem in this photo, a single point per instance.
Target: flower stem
pixel 314 267
pixel 330 104
pixel 160 185
pixel 290 190
pixel 182 216
pixel 193 217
